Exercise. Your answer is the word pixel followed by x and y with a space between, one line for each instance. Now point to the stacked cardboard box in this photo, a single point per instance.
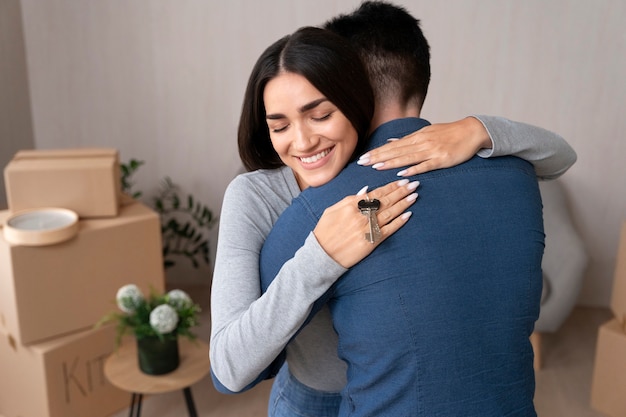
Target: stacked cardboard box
pixel 609 375
pixel 51 357
pixel 62 377
pixel 86 181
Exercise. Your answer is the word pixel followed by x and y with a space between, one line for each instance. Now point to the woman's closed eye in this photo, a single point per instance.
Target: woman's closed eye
pixel 275 126
pixel 326 116
pixel 278 129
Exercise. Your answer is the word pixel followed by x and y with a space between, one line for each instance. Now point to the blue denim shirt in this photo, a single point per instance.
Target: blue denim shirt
pixel 436 321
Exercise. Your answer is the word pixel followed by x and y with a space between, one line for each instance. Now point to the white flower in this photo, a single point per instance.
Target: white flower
pixel 163 318
pixel 128 298
pixel 179 299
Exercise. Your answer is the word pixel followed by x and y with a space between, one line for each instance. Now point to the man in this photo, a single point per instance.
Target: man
pixel 436 320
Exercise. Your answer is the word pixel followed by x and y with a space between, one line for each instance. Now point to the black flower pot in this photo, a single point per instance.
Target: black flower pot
pixel 157 356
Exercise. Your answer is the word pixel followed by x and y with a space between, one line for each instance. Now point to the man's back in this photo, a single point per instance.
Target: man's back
pixel 435 322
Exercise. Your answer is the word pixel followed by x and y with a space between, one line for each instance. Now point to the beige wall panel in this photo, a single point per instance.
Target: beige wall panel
pixel 16 130
pixel 163 81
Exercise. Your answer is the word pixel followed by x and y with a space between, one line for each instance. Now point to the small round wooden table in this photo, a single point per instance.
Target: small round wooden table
pixel 122 370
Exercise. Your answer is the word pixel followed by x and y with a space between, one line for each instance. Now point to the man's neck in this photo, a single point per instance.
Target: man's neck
pixel 391 110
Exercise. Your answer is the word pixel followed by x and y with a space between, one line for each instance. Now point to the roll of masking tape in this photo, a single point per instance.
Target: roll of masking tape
pixel 41 226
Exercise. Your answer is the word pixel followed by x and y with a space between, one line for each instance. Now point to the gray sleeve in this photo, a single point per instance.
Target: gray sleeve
pixel 549 153
pixel 249 330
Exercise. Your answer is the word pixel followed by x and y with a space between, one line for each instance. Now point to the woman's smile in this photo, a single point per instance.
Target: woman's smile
pixel 308 160
pixel 308 132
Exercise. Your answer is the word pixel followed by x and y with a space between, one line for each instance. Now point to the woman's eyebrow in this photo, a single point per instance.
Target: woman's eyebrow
pixel 313 104
pixel 275 116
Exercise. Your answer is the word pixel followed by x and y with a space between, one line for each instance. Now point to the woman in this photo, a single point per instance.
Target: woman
pixel 248 329
pixel 348 111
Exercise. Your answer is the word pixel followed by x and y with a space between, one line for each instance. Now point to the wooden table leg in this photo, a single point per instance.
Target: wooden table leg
pixel 191 407
pixel 122 370
pixel 135 401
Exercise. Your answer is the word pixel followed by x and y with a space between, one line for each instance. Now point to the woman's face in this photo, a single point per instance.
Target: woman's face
pixel 309 133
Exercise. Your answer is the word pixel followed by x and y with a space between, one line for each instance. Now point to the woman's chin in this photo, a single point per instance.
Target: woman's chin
pixel 319 180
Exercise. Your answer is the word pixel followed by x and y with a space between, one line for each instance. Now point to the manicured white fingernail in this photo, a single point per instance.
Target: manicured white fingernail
pixel 392 139
pixel 364 159
pixel 403 182
pixel 401 173
pixel 413 185
pixel 378 165
pixel 411 197
pixel 406 215
pixel 362 190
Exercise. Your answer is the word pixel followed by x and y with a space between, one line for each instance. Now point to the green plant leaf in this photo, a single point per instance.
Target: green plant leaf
pixel 186 238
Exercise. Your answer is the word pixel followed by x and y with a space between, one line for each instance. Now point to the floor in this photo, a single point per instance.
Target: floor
pixel 563 383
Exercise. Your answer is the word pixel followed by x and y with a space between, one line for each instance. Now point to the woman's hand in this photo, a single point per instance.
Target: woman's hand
pixel 436 146
pixel 342 227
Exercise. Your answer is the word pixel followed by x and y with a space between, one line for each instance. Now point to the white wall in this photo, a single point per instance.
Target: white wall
pixel 163 81
pixel 16 131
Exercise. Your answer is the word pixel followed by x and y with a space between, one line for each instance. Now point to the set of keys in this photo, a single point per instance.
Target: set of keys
pixel 369 208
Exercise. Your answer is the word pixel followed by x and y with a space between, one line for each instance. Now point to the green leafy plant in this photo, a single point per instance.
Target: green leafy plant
pixel 185 221
pixel 128 170
pixel 165 316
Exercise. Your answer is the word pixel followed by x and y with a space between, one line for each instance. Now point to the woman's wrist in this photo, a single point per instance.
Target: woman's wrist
pixel 478 133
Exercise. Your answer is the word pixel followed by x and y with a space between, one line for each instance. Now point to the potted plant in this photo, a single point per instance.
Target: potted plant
pixel 156 322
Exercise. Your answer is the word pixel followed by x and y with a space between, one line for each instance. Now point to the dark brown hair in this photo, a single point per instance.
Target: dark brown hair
pixel 329 63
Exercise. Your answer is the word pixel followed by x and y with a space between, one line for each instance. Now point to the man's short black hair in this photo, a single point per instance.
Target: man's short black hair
pixel 392 47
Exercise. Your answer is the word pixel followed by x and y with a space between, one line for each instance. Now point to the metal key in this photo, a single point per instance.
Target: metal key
pixel 369 208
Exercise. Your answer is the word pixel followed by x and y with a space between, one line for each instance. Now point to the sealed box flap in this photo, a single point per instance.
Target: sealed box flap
pixel 65 153
pixel 618 298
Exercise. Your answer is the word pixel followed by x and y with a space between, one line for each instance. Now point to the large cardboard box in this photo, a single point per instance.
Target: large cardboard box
pixel 86 181
pixel 47 291
pixel 609 374
pixel 63 377
pixel 618 298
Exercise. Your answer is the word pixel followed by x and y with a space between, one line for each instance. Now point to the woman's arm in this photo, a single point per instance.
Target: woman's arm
pixel 447 144
pixel 549 153
pixel 250 329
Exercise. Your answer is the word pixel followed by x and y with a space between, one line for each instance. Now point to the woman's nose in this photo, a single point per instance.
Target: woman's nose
pixel 304 139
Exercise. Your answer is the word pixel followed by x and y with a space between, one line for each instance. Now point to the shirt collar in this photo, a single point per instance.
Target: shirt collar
pixel 395 129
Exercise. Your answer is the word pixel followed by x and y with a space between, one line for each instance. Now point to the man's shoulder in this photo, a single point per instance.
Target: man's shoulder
pixel 278 181
pixel 478 164
pixel 349 181
pixel 503 162
pixel 354 177
pixel 262 190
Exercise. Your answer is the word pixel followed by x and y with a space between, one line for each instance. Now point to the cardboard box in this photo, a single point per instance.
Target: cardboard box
pixel 86 181
pixel 63 377
pixel 48 291
pixel 618 298
pixel 609 374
